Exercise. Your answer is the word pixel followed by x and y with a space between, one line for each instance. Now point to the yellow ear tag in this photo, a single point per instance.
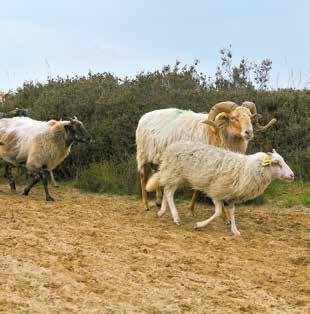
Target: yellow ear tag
pixel 266 161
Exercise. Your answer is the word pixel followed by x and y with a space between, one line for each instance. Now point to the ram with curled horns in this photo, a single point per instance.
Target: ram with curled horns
pixel 228 125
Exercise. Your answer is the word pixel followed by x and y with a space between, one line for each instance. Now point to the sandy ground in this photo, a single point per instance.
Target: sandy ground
pixel 90 253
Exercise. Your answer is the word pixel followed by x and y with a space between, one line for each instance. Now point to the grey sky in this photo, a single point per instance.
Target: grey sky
pixel 41 38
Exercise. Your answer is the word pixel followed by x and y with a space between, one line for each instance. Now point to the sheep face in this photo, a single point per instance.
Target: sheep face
pixel 22 112
pixel 238 123
pixel 279 168
pixel 76 132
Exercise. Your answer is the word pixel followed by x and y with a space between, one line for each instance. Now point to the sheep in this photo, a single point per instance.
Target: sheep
pixel 19 112
pixel 2 98
pixel 227 125
pixel 39 146
pixel 224 176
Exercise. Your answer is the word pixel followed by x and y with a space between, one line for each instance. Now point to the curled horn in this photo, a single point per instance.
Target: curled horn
pixel 250 105
pixel 256 117
pixel 219 108
pixel 225 106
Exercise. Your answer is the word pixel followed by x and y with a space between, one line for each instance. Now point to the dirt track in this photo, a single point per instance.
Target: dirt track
pixel 100 254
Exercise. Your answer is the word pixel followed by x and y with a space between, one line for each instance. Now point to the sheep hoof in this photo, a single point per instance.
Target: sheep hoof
pixel 197 226
pixel 237 233
pixel 25 193
pixel 177 222
pixel 159 214
pixel 146 209
pixel 49 199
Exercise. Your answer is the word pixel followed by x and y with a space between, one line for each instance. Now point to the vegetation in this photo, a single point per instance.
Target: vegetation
pixel 110 108
pixel 286 194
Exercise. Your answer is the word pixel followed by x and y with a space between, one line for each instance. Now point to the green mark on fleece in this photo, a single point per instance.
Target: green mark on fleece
pixel 174 116
pixel 179 111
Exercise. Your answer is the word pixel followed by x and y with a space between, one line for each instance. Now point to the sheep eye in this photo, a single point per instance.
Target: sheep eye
pixel 276 163
pixel 234 118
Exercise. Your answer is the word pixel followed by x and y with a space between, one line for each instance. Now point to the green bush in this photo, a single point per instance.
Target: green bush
pixel 111 108
pixel 107 177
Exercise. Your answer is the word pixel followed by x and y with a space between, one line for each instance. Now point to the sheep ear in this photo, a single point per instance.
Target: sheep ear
pixel 274 151
pixel 266 161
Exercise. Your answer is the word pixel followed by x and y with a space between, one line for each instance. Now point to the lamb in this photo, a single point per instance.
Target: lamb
pixel 224 176
pixel 39 146
pixel 227 125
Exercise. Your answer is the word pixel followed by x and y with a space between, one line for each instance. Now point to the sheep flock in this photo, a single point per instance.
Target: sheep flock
pixel 205 151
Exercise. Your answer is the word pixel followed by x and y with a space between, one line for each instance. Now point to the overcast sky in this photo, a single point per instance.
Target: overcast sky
pixel 60 37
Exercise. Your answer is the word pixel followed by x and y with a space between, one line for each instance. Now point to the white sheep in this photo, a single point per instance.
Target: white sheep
pixel 20 112
pixel 227 125
pixel 17 112
pixel 222 175
pixel 39 146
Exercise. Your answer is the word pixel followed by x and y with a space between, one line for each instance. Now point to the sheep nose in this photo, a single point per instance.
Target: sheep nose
pixel 248 133
pixel 292 176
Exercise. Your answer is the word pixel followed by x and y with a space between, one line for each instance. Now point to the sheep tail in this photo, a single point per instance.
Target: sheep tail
pixel 153 182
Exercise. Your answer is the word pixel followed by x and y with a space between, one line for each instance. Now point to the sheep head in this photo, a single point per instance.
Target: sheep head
pixel 22 112
pixel 17 112
pixel 236 120
pixel 278 167
pixel 76 131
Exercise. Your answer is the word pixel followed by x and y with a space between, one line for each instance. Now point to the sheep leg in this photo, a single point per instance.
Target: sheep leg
pixel 8 175
pixel 164 205
pixel 159 196
pixel 35 179
pixel 54 182
pixel 143 190
pixel 40 175
pixel 233 226
pixel 44 176
pixel 174 212
pixel 218 211
pixel 226 216
pixel 193 201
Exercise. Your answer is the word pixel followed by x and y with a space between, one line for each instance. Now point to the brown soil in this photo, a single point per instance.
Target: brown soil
pixel 90 253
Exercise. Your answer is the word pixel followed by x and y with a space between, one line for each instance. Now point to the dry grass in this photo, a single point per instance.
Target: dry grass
pixel 102 254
